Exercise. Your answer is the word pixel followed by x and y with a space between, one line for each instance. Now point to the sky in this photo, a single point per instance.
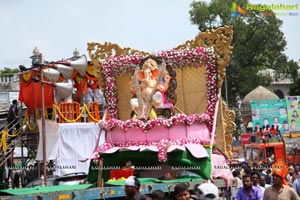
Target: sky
pixel 57 27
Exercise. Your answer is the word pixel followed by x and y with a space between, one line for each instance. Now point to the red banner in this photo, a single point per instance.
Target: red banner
pixel 245 138
pixel 30 94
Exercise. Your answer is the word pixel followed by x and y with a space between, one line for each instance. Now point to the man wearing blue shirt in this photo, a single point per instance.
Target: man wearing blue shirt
pixel 248 192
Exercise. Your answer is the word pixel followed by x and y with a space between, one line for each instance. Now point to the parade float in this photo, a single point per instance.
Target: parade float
pixel 164 115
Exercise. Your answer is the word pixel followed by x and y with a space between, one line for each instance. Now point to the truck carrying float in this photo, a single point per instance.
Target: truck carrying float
pixel 164 119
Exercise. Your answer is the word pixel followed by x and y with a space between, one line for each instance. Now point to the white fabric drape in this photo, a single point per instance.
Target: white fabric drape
pixel 72 143
pixel 77 142
pixel 52 140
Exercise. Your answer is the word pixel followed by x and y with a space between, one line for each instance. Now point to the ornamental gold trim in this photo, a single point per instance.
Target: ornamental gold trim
pixel 230 126
pixel 220 39
pixel 228 148
pixel 100 52
pixel 228 116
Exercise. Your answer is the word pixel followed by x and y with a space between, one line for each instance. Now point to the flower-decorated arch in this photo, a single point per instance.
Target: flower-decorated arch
pixel 209 51
pixel 213 44
pixel 198 57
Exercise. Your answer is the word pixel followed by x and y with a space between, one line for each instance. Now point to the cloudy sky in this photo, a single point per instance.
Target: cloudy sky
pixel 57 27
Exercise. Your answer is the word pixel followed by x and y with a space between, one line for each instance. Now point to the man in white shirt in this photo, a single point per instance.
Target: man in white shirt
pixel 296 185
pixel 236 183
pixel 262 182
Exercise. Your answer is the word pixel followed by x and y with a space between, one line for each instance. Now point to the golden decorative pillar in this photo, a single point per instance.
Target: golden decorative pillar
pixel 230 126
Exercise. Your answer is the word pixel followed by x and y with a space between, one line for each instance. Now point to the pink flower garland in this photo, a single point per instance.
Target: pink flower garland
pixel 104 147
pixel 162 145
pixel 123 64
pixel 177 119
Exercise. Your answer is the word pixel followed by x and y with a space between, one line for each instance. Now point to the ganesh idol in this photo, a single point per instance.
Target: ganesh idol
pixel 148 84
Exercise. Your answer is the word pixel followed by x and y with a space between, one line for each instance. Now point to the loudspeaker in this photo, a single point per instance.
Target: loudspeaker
pixel 65 90
pixel 65 71
pixel 80 64
pixel 51 74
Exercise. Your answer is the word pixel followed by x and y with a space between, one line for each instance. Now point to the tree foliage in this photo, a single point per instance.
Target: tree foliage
pixel 292 69
pixel 8 71
pixel 294 88
pixel 258 43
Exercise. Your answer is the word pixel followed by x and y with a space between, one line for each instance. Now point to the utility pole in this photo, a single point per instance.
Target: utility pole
pixel 37 60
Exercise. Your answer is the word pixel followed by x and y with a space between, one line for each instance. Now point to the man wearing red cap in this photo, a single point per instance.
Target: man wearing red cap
pixel 280 189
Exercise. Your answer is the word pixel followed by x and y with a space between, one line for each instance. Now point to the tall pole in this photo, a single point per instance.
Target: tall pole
pixel 22 159
pixel 43 121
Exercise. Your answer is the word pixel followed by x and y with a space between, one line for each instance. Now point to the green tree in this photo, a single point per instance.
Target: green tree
pixel 8 71
pixel 292 72
pixel 257 43
pixel 294 88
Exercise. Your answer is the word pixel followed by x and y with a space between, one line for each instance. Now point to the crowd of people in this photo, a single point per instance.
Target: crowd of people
pixel 276 182
pixel 202 191
pixel 265 133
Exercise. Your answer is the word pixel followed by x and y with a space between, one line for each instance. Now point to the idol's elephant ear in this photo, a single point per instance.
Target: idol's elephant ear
pixel 141 75
pixel 155 74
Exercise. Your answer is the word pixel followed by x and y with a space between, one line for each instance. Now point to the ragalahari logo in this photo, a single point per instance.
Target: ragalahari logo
pixel 236 10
